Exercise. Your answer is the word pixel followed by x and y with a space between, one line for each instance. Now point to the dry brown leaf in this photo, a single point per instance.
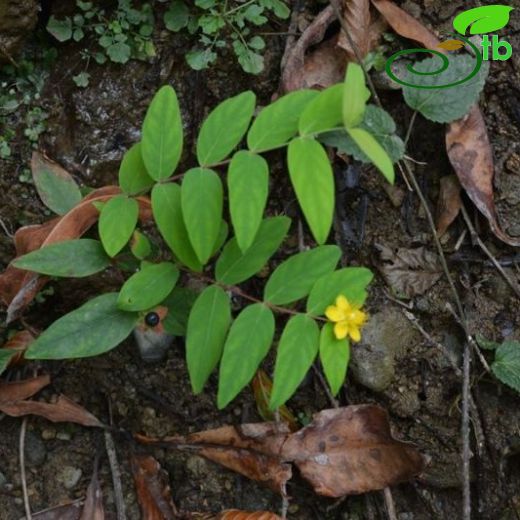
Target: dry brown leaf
pixel 153 490
pixel 342 451
pixel 70 511
pixel 449 203
pixel 19 390
pixel 19 287
pixel 471 156
pixel 19 342
pixel 235 514
pixel 262 387
pixel 348 451
pixel 93 509
pixel 410 271
pixel 63 410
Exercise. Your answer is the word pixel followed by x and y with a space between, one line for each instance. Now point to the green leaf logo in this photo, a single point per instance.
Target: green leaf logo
pixel 482 20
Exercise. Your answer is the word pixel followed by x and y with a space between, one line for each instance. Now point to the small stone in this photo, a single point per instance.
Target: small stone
pixel 69 476
pixel 48 434
pixel 64 436
pixel 35 452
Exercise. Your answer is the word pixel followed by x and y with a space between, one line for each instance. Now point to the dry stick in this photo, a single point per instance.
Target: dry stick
pixel 27 505
pixel 466 491
pixel 488 253
pixel 389 502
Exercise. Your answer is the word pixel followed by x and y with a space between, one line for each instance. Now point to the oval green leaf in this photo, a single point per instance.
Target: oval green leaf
pixel 278 122
pixel 246 346
pixel 208 324
pixel 313 181
pixel 374 151
pixel 56 187
pixel 148 287
pixel 248 185
pixel 161 142
pixel 334 357
pixel 234 267
pixel 71 258
pixel 140 245
pixel 96 327
pixel 117 223
pixel 294 278
pixel 202 198
pixel 296 352
pixel 355 96
pixel 167 212
pixel 133 175
pixel 224 128
pixel 323 113
pixel 351 282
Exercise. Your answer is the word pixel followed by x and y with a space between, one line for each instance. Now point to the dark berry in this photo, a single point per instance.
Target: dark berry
pixel 152 319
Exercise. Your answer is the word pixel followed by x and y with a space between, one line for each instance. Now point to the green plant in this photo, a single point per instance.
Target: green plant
pixel 121 35
pixel 305 287
pixel 218 22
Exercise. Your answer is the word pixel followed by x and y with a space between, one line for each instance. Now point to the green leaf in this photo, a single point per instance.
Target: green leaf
pixel 177 16
pixel 481 20
pixel 374 151
pixel 313 181
pixel 117 222
pixel 234 267
pixel 179 304
pixel 506 366
pixel 294 278
pixel 71 258
pixel 246 346
pixel 486 344
pixel 200 59
pixel 83 78
pixel 248 185
pixel 148 287
pixel 202 199
pixel 140 245
pixel 60 29
pixel 324 112
pixel 334 357
pixel 119 52
pixel 355 96
pixel 167 212
pixel 96 327
pixel 133 176
pixel 278 122
pixel 251 62
pixel 56 187
pixel 296 352
pixel 377 122
pixel 224 128
pixel 444 105
pixel 6 354
pixel 351 282
pixel 161 143
pixel 208 324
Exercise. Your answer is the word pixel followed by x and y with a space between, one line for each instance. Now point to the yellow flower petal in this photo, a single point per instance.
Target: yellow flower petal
pixel 341 330
pixel 334 314
pixel 357 317
pixel 354 333
pixel 342 303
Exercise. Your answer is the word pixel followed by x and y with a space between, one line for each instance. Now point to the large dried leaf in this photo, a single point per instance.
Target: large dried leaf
pixel 16 345
pixel 410 271
pixel 253 450
pixel 449 203
pixel 63 410
pixel 93 509
pixel 471 156
pixel 342 451
pixel 19 287
pixel 348 451
pixel 153 489
pixel 18 390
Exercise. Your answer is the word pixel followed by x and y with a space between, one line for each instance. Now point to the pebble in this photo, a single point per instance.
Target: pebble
pixel 387 335
pixel 48 434
pixel 35 452
pixel 69 476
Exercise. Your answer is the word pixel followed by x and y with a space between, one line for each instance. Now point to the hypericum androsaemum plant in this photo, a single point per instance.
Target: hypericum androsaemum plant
pixel 188 209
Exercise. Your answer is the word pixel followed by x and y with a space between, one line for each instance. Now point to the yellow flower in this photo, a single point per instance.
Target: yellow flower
pixel 348 319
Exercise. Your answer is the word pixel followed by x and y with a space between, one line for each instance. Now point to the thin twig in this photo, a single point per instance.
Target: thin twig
pixel 466 490
pixel 26 503
pixel 325 386
pixel 389 503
